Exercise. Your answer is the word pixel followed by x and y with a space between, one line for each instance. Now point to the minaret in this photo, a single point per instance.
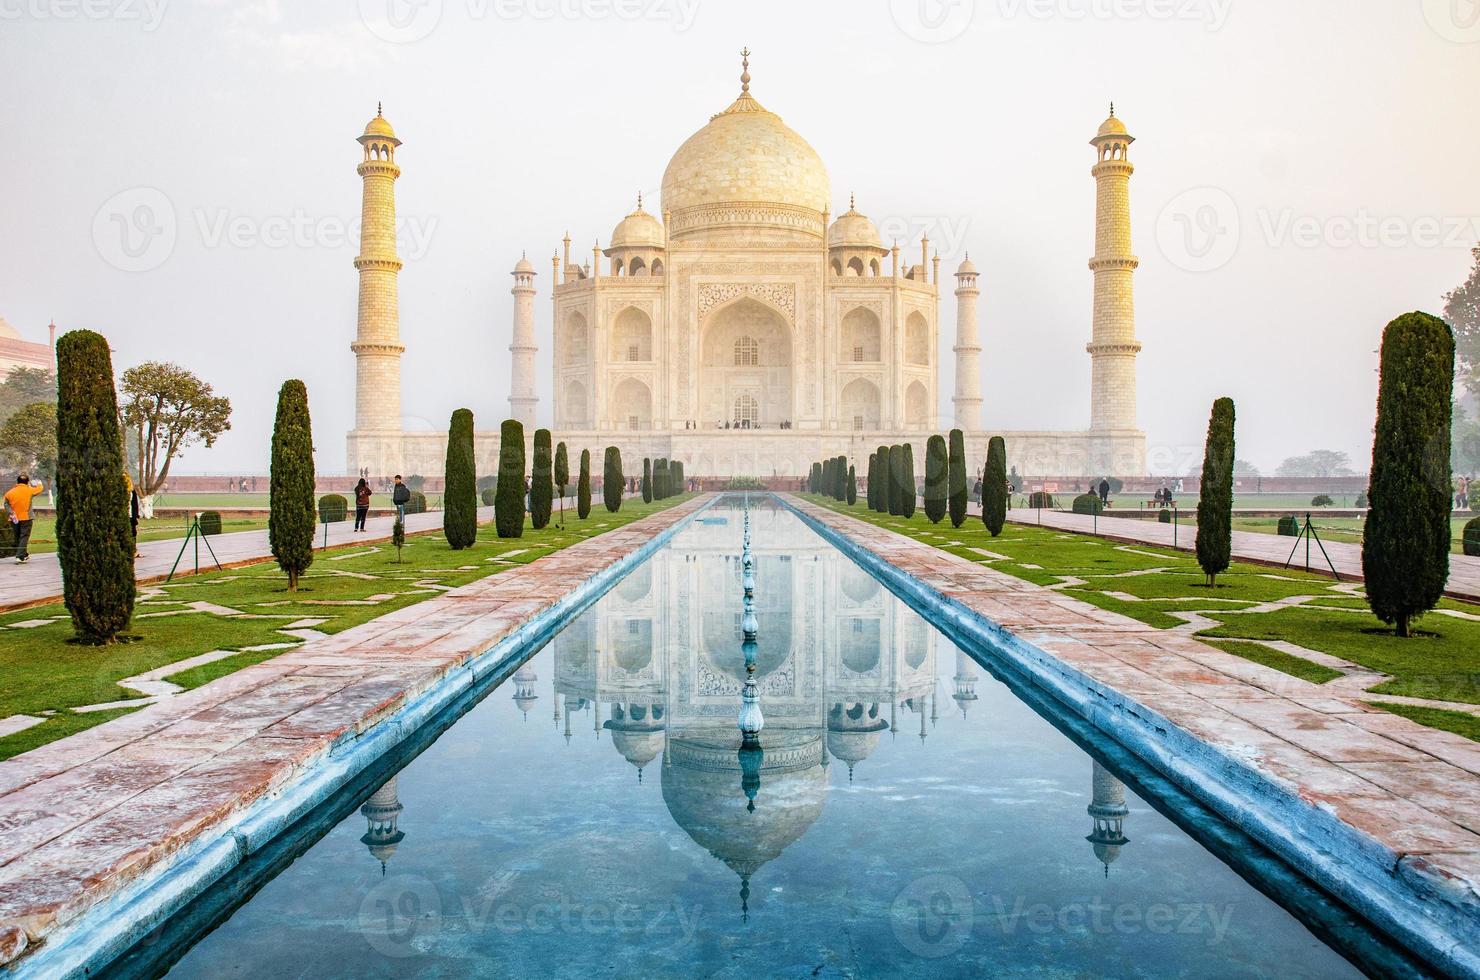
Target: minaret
pixel 380 812
pixel 524 696
pixel 1108 810
pixel 1114 346
pixel 377 343
pixel 965 680
pixel 522 398
pixel 968 400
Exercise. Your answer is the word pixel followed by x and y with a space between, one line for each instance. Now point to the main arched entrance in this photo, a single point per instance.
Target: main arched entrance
pixel 745 369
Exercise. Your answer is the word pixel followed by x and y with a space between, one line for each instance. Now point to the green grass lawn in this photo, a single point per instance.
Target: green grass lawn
pixel 1441 664
pixel 44 531
pixel 45 671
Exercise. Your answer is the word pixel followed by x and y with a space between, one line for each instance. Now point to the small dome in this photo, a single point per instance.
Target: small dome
pixel 379 127
pixel 967 268
pixel 853 230
pixel 524 266
pixel 638 230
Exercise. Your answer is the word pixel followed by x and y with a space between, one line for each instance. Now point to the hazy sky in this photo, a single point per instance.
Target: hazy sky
pixel 181 177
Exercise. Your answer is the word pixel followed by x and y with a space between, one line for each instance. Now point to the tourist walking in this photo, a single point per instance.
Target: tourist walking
pixel 1462 494
pixel 362 503
pixel 18 504
pixel 400 496
pixel 1105 492
pixel 978 492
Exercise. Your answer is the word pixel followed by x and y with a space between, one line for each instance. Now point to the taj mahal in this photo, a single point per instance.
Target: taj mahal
pixel 746 330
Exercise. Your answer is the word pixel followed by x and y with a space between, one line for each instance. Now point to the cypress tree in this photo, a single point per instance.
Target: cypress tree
pixel 885 477
pixel 460 487
pixel 896 481
pixel 907 488
pixel 869 476
pixel 647 480
pixel 94 542
pixel 542 484
pixel 937 478
pixel 681 483
pixel 814 484
pixel 583 486
pixel 1405 546
pixel 508 500
pixel 843 470
pixel 612 480
pixel 994 487
pixel 562 476
pixel 956 478
pixel 290 522
pixel 852 487
pixel 660 479
pixel 1215 501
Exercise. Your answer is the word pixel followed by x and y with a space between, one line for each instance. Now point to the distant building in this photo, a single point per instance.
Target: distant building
pixel 16 351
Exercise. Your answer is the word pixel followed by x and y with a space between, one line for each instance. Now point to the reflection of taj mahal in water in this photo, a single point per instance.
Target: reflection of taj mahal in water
pixel 842 663
pixel 743 326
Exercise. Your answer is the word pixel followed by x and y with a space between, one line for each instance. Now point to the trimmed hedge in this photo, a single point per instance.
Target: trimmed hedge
pixel 488 496
pixel 333 509
pixel 852 486
pixel 647 480
pixel 956 478
pixel 907 488
pixel 1041 500
pixel 1321 500
pixel 612 480
pixel 542 484
pixel 1289 526
pixel 508 513
pixel 583 486
pixel 210 522
pixel 417 504
pixel 1471 539
pixel 460 478
pixel 994 487
pixel 937 479
pixel 1088 503
pixel 1164 517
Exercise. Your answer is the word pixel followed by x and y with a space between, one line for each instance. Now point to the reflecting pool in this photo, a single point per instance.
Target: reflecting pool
pixel 905 814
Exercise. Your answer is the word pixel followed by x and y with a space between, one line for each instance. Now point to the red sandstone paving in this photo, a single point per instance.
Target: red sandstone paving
pixel 83 816
pixel 1414 790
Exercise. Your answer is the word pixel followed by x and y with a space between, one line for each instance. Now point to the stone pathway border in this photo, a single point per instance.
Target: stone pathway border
pixel 1379 811
pixel 1251 546
pixel 106 833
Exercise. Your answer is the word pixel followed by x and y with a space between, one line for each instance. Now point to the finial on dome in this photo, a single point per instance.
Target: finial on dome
pixel 852 201
pixel 639 200
pixel 1112 108
pixel 745 71
pixel 380 109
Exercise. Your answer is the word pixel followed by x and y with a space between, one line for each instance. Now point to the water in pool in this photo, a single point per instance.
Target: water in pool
pixel 907 815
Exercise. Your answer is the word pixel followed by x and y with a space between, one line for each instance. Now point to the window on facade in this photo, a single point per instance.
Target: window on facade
pixel 632 353
pixel 858 423
pixel 632 421
pixel 858 355
pixel 632 625
pixel 747 410
pixel 747 352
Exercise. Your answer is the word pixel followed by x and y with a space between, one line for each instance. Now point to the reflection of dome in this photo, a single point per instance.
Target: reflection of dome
pixel 637 733
pixel 1108 810
pixel 632 642
pixel 746 156
pixel 853 733
pixel 858 585
pixel 382 837
pixel 702 790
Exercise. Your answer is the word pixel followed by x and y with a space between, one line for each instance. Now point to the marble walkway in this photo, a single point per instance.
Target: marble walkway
pixel 1412 792
pixel 40 579
pixel 83 817
pixel 1270 549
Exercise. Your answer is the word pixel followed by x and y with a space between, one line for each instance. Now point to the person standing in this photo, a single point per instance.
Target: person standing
pixel 400 496
pixel 18 503
pixel 1104 491
pixel 133 512
pixel 362 503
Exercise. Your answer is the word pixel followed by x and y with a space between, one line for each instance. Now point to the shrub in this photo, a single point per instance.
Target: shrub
pixel 1289 526
pixel 1215 503
pixel 94 541
pixel 416 482
pixel 508 507
pixel 290 525
pixel 487 482
pixel 1471 538
pixel 1088 503
pixel 417 504
pixel 744 483
pixel 937 477
pixel 583 486
pixel 907 488
pixel 1165 516
pixel 956 488
pixel 612 480
pixel 1405 547
pixel 1041 500
pixel 459 494
pixel 398 538
pixel 488 495
pixel 852 487
pixel 660 480
pixel 542 483
pixel 1361 500
pixel 994 487
pixel 210 522
pixel 333 509
pixel 1321 500
pixel 647 480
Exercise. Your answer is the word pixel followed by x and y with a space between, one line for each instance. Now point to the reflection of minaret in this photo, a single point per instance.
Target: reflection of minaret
pixel 524 681
pixel 1108 810
pixel 965 681
pixel 380 811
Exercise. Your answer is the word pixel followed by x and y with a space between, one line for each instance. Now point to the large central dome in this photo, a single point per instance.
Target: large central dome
pixel 746 170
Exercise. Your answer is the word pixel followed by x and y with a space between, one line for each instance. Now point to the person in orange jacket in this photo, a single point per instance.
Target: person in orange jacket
pixel 18 504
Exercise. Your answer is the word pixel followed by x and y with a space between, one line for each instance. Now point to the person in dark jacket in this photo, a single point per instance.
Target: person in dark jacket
pixel 400 496
pixel 1104 491
pixel 362 503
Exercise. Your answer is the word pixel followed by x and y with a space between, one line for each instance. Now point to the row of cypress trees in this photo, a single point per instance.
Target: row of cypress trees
pixel 834 477
pixel 891 479
pixel 661 479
